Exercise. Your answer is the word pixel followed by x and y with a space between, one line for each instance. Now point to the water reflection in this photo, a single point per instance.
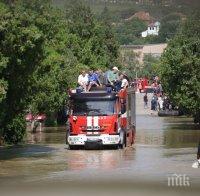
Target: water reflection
pixel 24 151
pixel 104 159
pixel 48 135
pixel 169 132
pixel 157 144
pixel 151 130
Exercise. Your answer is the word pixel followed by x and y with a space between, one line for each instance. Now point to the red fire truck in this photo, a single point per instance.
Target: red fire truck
pixel 100 118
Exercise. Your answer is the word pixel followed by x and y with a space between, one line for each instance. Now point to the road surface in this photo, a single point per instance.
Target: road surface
pixel 164 147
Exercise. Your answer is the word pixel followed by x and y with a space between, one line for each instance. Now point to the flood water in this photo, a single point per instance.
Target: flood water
pixel 164 146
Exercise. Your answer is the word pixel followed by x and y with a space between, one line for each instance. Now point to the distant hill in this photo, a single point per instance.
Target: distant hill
pixel 131 17
pixel 121 9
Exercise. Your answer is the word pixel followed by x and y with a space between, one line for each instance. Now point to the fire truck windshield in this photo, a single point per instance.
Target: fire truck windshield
pixel 97 108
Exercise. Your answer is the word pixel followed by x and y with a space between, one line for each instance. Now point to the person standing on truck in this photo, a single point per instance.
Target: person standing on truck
pixel 124 81
pixel 83 80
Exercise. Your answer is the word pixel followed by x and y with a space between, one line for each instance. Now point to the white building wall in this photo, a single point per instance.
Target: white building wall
pixel 152 30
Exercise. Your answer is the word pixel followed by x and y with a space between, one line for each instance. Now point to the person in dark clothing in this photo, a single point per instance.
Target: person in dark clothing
pixel 154 102
pixel 166 103
pixel 145 101
pixel 198 152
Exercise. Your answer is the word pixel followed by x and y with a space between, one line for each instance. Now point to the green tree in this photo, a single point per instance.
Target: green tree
pixel 21 43
pixel 42 50
pixel 150 66
pixel 180 68
pixel 95 45
pixel 36 64
pixel 129 32
pixel 169 27
pixel 3 59
pixel 130 62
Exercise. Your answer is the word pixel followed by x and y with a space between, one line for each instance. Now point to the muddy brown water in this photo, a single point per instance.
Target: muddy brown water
pixel 164 146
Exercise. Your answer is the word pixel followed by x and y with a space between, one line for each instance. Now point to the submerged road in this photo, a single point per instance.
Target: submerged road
pixel 164 146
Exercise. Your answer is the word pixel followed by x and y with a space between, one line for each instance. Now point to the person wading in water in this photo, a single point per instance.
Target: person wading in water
pixel 197 163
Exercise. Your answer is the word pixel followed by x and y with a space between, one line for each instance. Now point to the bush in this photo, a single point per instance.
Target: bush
pixel 15 130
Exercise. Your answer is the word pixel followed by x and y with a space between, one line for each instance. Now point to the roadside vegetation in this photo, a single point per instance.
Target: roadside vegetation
pixel 180 70
pixel 42 50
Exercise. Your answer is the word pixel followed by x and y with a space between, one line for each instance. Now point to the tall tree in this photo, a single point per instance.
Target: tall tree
pixel 35 64
pixel 169 26
pixel 95 42
pixel 180 68
pixel 41 52
pixel 130 62
pixel 21 44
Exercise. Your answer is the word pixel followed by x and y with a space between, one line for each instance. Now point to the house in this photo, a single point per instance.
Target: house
pixel 155 50
pixel 153 29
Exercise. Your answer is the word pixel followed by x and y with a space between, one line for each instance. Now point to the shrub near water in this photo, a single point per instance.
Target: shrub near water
pixel 14 131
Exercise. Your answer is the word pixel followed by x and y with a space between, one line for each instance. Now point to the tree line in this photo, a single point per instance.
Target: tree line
pixel 42 50
pixel 180 67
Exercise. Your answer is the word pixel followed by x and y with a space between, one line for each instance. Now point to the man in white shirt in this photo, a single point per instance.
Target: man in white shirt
pixel 83 80
pixel 160 102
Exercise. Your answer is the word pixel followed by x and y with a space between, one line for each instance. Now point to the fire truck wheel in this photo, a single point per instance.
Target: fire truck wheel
pixel 72 147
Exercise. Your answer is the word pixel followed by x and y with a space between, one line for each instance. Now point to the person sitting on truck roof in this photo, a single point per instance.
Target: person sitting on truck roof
pixel 93 80
pixel 113 75
pixel 83 80
pixel 113 80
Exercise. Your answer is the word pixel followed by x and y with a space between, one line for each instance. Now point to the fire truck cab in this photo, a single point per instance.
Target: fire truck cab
pixel 100 118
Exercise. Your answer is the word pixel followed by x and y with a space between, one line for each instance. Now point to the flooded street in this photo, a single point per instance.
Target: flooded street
pixel 164 146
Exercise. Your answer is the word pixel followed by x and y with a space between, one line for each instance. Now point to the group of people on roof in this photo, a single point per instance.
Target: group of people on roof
pixel 112 79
